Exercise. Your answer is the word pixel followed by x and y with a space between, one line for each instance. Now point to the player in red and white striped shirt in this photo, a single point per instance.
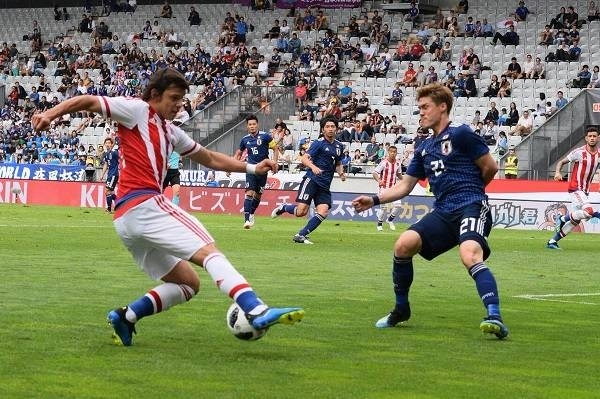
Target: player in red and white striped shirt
pixel 585 161
pixel 161 236
pixel 386 174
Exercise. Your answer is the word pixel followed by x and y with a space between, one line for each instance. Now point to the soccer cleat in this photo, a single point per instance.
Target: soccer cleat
pixel 249 223
pixel 494 325
pixel 301 239
pixel 558 222
pixel 278 211
pixel 273 316
pixel 392 226
pixel 379 227
pixel 398 315
pixel 552 245
pixel 123 328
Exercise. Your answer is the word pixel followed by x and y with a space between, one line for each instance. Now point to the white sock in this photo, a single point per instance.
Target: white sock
pixel 227 278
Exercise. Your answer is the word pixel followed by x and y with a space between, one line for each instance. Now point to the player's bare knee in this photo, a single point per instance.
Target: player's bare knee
pixel 470 253
pixel 408 244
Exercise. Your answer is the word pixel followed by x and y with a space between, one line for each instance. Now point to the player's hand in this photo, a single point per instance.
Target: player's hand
pixel 316 171
pixel 40 121
pixel 558 176
pixel 362 203
pixel 342 176
pixel 266 165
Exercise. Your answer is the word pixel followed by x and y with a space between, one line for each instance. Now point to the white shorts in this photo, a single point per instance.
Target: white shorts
pixel 159 234
pixel 579 200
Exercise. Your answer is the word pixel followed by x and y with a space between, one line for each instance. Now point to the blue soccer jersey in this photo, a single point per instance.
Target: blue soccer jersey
pixel 257 146
pixel 325 156
pixel 446 160
pixel 111 158
pixel 173 162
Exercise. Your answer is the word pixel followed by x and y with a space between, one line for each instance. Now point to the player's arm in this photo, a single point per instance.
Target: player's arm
pixel 488 167
pixel 218 161
pixel 376 177
pixel 340 170
pixel 104 170
pixel 307 161
pixel 400 190
pixel 238 154
pixel 90 103
pixel 557 175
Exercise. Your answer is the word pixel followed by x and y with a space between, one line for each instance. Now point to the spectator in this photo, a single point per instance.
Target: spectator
pixel 85 25
pixel 401 51
pixel 194 17
pixel 505 87
pixel 487 28
pixel 571 17
pixel 521 12
pixel 527 69
pixel 459 86
pixel 166 11
pixel 582 79
pixel 396 96
pixel 462 7
pixel 492 114
pixel 546 36
pixel 560 100
pixel 509 38
pixel 413 12
pixel 593 13
pixel 469 28
pixel 513 115
pixel 416 51
pixel 423 34
pixel 538 71
pixel 524 125
pixel 452 29
pixel 558 22
pixel 574 51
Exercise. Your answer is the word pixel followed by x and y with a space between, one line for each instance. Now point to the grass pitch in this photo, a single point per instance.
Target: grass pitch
pixel 64 268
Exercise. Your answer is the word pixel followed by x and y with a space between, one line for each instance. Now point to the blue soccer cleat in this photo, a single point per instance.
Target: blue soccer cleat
pixel 273 316
pixel 552 245
pixel 123 328
pixel 398 315
pixel 494 325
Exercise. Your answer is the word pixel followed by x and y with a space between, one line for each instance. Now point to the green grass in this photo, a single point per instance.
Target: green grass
pixel 64 268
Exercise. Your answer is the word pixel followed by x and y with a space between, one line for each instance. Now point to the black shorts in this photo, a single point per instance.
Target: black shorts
pixel 111 182
pixel 171 178
pixel 256 183
pixel 309 191
pixel 441 231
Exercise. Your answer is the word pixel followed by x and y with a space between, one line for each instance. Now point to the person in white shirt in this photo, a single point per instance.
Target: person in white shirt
pixel 524 125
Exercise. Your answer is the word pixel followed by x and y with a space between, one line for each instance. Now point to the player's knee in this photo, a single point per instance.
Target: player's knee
pixel 588 211
pixel 408 244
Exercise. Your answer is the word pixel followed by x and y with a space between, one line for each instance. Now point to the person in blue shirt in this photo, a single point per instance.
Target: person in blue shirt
pixel 110 171
pixel 561 101
pixel 173 176
pixel 521 12
pixel 458 166
pixel 323 158
pixel 256 145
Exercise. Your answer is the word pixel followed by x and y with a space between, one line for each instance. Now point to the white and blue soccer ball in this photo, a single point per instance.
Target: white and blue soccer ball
pixel 240 327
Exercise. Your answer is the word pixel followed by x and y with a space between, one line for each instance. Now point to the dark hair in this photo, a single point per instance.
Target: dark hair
pixel 591 129
pixel 328 118
pixel 162 79
pixel 251 117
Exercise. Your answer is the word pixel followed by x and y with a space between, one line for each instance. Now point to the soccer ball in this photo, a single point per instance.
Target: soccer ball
pixel 240 327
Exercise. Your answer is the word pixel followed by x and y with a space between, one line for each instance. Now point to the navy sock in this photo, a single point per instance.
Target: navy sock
pixel 486 287
pixel 109 201
pixel 142 307
pixel 248 205
pixel 312 224
pixel 402 276
pixel 290 208
pixel 248 301
pixel 255 204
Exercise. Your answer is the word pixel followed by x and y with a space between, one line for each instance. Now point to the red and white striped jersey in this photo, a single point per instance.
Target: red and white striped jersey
pixel 145 142
pixel 388 172
pixel 585 165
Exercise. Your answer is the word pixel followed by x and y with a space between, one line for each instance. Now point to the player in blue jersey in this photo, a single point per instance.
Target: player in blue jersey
pixel 172 177
pixel 256 144
pixel 458 165
pixel 110 171
pixel 322 159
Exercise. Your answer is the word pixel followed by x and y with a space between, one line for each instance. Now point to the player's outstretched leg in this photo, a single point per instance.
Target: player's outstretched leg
pixel 271 316
pixel 283 208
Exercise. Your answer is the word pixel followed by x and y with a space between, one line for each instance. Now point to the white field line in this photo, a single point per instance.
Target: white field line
pixel 554 297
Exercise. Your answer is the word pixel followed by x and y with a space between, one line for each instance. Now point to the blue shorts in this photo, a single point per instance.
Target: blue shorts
pixel 256 183
pixel 111 182
pixel 310 191
pixel 441 231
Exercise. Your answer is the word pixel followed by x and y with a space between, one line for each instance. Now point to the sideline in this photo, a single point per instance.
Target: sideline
pixel 550 298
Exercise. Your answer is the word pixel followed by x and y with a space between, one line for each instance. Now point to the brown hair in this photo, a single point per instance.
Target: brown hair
pixel 162 79
pixel 438 93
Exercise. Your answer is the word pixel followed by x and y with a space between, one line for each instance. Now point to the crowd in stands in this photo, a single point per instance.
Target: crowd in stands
pixel 364 39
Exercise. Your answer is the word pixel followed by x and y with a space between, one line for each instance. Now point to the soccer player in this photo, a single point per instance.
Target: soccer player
pixel 172 177
pixel 322 159
pixel 458 165
pixel 256 144
pixel 585 161
pixel 386 174
pixel 110 171
pixel 163 238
